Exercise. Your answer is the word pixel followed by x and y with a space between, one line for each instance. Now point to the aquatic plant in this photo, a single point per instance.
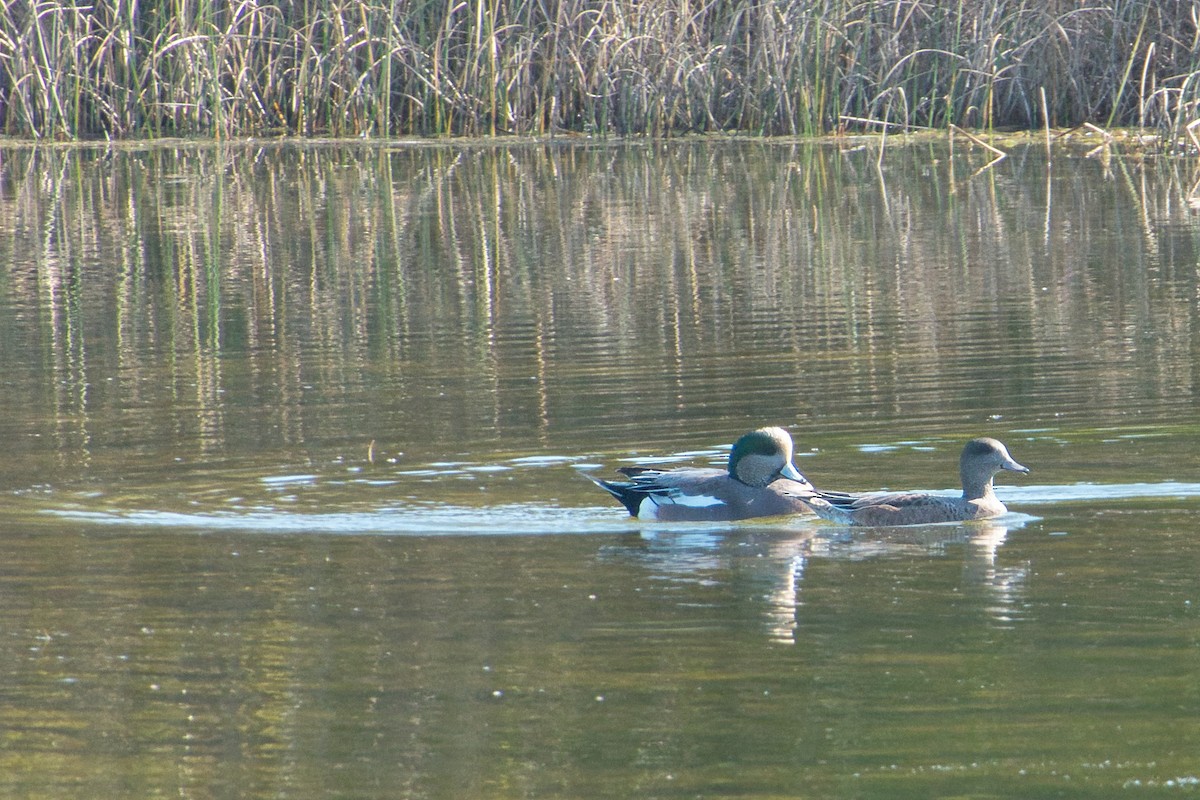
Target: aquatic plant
pixel 119 68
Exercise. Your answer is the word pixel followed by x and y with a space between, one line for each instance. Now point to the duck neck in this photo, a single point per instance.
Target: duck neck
pixel 974 490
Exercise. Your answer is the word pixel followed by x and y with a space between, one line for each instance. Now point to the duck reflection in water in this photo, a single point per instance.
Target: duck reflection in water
pixel 999 588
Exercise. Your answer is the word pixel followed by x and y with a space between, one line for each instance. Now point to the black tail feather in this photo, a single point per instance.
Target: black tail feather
pixel 626 493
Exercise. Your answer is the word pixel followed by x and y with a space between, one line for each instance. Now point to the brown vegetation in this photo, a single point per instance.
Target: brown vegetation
pixel 117 68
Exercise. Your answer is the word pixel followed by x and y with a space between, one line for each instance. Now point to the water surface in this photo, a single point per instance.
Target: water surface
pixel 294 502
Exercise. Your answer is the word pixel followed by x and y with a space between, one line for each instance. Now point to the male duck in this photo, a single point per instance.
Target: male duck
pixel 761 481
pixel 981 459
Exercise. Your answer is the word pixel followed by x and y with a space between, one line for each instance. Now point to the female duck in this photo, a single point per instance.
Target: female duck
pixel 980 461
pixel 761 481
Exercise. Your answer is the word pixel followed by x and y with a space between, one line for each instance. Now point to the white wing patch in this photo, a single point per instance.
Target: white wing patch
pixel 649 507
pixel 696 500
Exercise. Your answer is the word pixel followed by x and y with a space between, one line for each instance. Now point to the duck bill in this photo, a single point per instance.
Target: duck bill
pixel 1015 467
pixel 793 474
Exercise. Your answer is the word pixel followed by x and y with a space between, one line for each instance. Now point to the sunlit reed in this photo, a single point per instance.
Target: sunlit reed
pixel 118 68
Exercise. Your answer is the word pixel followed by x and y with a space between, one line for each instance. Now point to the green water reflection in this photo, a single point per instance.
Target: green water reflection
pixel 207 305
pixel 282 421
pixel 747 665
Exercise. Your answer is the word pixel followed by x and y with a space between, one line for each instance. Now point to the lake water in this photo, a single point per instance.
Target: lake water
pixel 294 432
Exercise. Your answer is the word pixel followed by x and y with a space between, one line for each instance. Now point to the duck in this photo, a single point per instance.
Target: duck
pixel 760 481
pixel 978 465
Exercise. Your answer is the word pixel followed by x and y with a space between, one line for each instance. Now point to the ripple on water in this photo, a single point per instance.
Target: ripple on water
pixel 513 519
pixel 1075 492
pixel 414 518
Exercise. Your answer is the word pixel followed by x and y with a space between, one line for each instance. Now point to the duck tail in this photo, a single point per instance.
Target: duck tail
pixel 622 490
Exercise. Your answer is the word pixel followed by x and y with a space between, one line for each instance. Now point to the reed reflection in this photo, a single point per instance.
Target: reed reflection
pixel 280 301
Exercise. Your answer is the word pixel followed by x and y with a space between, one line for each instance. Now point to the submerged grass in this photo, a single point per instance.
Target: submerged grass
pixel 121 68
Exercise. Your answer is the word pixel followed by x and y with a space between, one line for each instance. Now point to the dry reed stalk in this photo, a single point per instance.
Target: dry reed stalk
pixel 1045 119
pixel 985 145
pixel 116 68
pixel 1191 132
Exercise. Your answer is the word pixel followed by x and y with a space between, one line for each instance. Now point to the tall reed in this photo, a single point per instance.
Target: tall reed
pixel 120 68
